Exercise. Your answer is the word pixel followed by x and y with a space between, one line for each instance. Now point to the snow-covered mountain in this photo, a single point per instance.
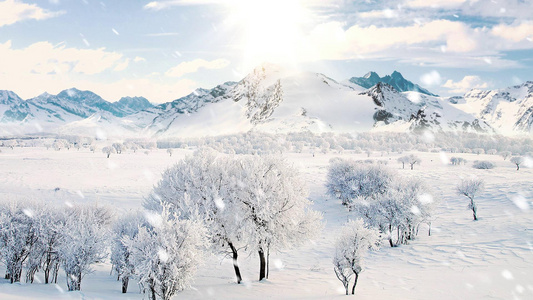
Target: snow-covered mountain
pixel 48 112
pixel 396 80
pixel 272 99
pixel 508 110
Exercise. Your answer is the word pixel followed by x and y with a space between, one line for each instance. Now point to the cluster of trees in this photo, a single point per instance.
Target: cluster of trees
pixel 483 164
pixel 393 205
pixel 265 143
pixel 251 202
pixel 457 161
pixel 204 203
pixel 118 147
pixel 40 237
pixel 410 159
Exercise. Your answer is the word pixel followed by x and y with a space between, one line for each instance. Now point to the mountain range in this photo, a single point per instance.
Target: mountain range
pixel 273 99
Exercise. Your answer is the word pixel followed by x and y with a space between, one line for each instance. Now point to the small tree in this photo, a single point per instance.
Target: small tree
pixel 166 254
pixel 170 151
pixel 414 160
pixel 351 247
pixel 470 188
pixel 517 160
pixel 83 243
pixel 108 150
pixel 403 160
pixel 125 228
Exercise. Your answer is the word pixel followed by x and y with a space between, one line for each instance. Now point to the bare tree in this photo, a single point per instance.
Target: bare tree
pixel 470 188
pixel 517 160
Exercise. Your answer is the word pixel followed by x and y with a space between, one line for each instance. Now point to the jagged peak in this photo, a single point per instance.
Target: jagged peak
pixel 397 75
pixel 371 74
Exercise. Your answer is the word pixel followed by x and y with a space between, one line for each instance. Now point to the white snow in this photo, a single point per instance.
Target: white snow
pixel 491 258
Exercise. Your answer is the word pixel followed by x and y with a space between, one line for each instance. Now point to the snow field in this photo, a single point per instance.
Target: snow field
pixel 488 259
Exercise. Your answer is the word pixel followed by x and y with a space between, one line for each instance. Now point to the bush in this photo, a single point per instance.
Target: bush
pixel 483 164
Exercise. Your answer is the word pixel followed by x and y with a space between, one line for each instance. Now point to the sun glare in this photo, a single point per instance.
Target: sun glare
pixel 271 30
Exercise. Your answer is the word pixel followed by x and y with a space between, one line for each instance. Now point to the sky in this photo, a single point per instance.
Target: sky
pixel 165 49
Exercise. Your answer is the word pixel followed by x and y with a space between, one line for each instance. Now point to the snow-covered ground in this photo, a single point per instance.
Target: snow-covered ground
pixel 462 259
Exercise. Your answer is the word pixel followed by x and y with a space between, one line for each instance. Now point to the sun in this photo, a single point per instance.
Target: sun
pixel 270 30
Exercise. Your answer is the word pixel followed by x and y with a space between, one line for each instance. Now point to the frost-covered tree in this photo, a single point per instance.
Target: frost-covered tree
pixel 350 249
pixel 17 237
pixel 49 223
pixel 403 160
pixel 276 209
pixel 199 187
pixel 470 188
pixel 483 164
pixel 124 228
pixel 83 243
pixel 399 211
pixel 108 150
pixel 348 180
pixel 170 151
pixel 517 160
pixel 413 160
pixel 456 161
pixel 119 147
pixel 166 254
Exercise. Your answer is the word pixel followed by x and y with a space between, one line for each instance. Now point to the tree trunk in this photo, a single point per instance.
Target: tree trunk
pixel 268 262
pixel 125 281
pixel 355 283
pixel 262 264
pixel 7 276
pixel 108 155
pixel 403 165
pixel 412 166
pixel 474 209
pixel 235 263
pixel 517 167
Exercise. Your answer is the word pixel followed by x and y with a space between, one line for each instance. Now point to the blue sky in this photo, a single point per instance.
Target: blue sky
pixel 164 49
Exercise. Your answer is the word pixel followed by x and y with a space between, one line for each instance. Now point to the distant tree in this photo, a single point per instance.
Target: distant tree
pixel 350 249
pixel 478 151
pixel 403 160
pixel 92 148
pixel 470 188
pixel 505 154
pixel 414 160
pixel 108 150
pixel 492 151
pixel 456 161
pixel 119 147
pixel 517 160
pixel 170 151
pixel 483 165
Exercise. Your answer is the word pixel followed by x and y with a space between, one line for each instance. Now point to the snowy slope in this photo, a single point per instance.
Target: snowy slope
pixel 508 110
pixel 276 100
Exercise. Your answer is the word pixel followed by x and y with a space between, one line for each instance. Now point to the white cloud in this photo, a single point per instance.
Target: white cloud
pixel 432 78
pixel 515 33
pixel 139 59
pixel 45 58
pixel 123 65
pixel 332 41
pixel 436 3
pixel 159 5
pixel 193 66
pixel 465 85
pixel 12 11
